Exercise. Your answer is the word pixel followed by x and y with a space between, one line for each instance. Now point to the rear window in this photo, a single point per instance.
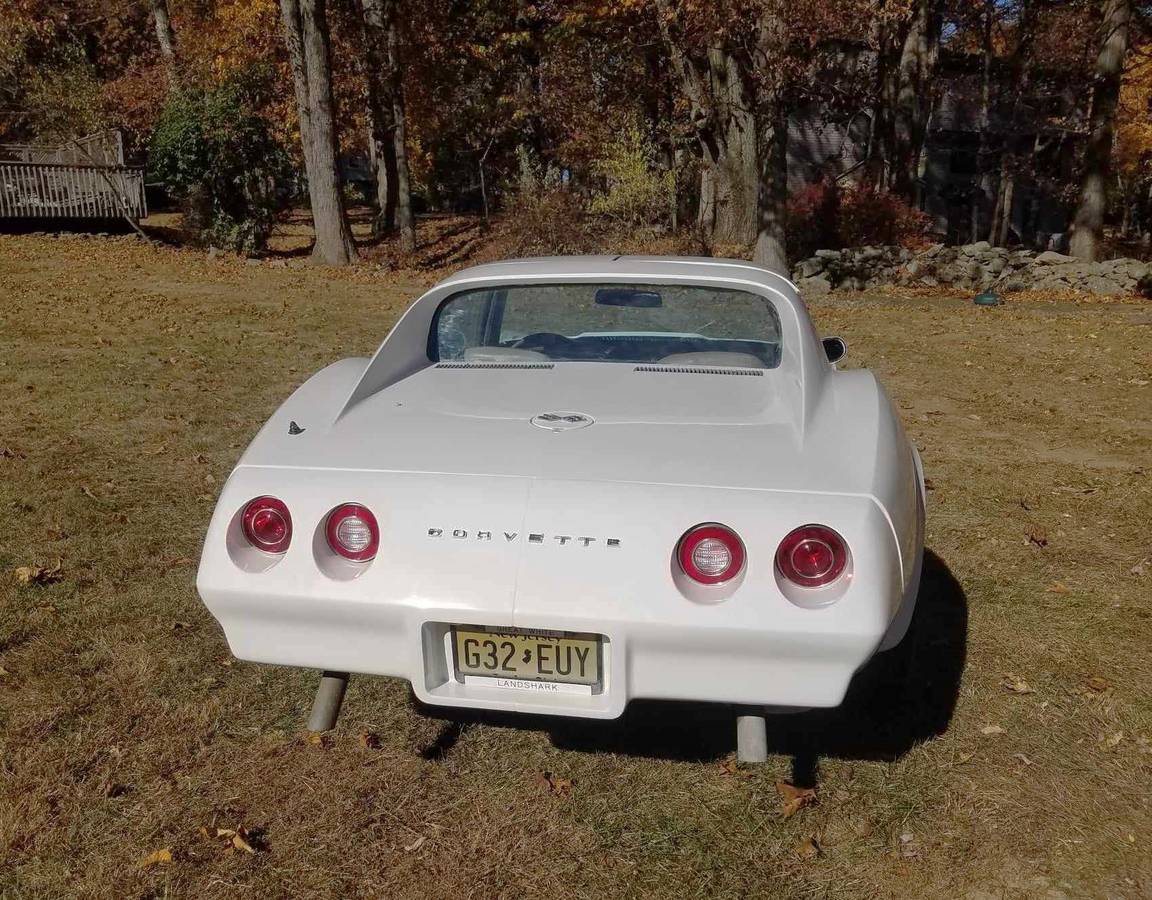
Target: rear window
pixel 633 323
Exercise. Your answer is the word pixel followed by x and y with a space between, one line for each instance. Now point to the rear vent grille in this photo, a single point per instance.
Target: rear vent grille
pixel 698 370
pixel 495 365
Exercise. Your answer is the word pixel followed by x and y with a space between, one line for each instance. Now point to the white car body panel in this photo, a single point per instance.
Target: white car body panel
pixel 432 447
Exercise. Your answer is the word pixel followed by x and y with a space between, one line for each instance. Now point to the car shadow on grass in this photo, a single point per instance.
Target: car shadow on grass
pixel 900 699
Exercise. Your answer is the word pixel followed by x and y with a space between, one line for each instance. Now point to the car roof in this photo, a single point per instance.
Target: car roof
pixel 654 267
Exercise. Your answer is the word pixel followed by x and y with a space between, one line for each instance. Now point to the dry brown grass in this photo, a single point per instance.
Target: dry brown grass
pixel 131 379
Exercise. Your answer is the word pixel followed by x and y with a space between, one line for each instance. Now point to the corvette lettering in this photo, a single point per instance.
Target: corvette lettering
pixel 533 537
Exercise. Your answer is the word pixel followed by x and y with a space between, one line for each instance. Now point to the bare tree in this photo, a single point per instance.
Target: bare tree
pixel 381 121
pixel 306 37
pixel 388 139
pixel 912 96
pixel 907 52
pixel 1013 160
pixel 165 37
pixel 1089 219
pixel 772 200
pixel 405 220
pixel 715 84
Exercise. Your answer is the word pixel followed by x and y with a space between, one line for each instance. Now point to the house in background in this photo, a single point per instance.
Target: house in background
pixel 961 170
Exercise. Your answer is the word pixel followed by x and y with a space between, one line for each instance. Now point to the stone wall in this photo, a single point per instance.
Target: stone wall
pixel 972 267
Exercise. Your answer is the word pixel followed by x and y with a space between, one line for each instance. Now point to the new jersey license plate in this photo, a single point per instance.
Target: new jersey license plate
pixel 527 655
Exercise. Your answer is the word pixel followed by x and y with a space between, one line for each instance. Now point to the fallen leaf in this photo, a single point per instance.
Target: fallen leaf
pixel 318 739
pixel 1024 759
pixel 964 757
pixel 991 730
pixel 793 799
pixel 1115 739
pixel 1017 685
pixel 156 858
pixel 40 574
pixel 561 787
pixel 808 848
pixel 416 844
pixel 114 789
pixel 369 740
pixel 929 484
pixel 1038 536
pixel 1024 504
pixel 1140 568
pixel 1097 684
pixel 246 840
pixel 1058 587
pixel 731 766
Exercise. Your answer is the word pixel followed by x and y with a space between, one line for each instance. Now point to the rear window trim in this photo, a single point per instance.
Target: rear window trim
pixel 499 296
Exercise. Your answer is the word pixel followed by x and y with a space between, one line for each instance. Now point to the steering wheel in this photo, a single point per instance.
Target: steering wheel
pixel 544 341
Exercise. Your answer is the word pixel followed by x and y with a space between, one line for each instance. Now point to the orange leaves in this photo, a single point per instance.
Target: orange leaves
pixel 1016 685
pixel 156 858
pixel 793 799
pixel 40 575
pixel 555 785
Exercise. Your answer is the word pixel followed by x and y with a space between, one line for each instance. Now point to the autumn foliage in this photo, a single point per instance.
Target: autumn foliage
pixel 659 113
pixel 826 215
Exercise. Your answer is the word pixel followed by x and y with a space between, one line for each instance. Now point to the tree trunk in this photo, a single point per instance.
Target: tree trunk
pixel 916 72
pixel 293 41
pixel 728 179
pixel 772 197
pixel 771 239
pixel 529 50
pixel 716 88
pixel 382 158
pixel 306 37
pixel 880 135
pixel 1013 159
pixel 1089 219
pixel 404 218
pixel 381 116
pixel 983 192
pixel 166 38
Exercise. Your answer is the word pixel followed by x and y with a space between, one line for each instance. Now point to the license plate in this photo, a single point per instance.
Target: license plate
pixel 551 656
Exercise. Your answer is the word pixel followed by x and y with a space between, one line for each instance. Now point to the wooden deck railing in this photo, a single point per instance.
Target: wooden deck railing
pixel 66 191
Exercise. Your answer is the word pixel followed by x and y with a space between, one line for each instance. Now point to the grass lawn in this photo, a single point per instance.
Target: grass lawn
pixel 1015 762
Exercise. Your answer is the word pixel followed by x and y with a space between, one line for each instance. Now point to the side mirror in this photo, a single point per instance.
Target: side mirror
pixel 834 348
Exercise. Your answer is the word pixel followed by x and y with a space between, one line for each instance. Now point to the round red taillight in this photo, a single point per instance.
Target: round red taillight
pixel 710 554
pixel 267 524
pixel 812 556
pixel 352 532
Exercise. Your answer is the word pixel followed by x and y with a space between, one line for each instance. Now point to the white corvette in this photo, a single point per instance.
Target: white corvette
pixel 563 484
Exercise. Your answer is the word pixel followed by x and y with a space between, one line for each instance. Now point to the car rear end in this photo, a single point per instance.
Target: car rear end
pixel 555 596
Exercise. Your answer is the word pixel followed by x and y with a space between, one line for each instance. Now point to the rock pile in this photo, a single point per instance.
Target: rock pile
pixel 975 267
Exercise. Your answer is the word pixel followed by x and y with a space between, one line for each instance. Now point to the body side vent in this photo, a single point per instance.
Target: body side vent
pixel 698 370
